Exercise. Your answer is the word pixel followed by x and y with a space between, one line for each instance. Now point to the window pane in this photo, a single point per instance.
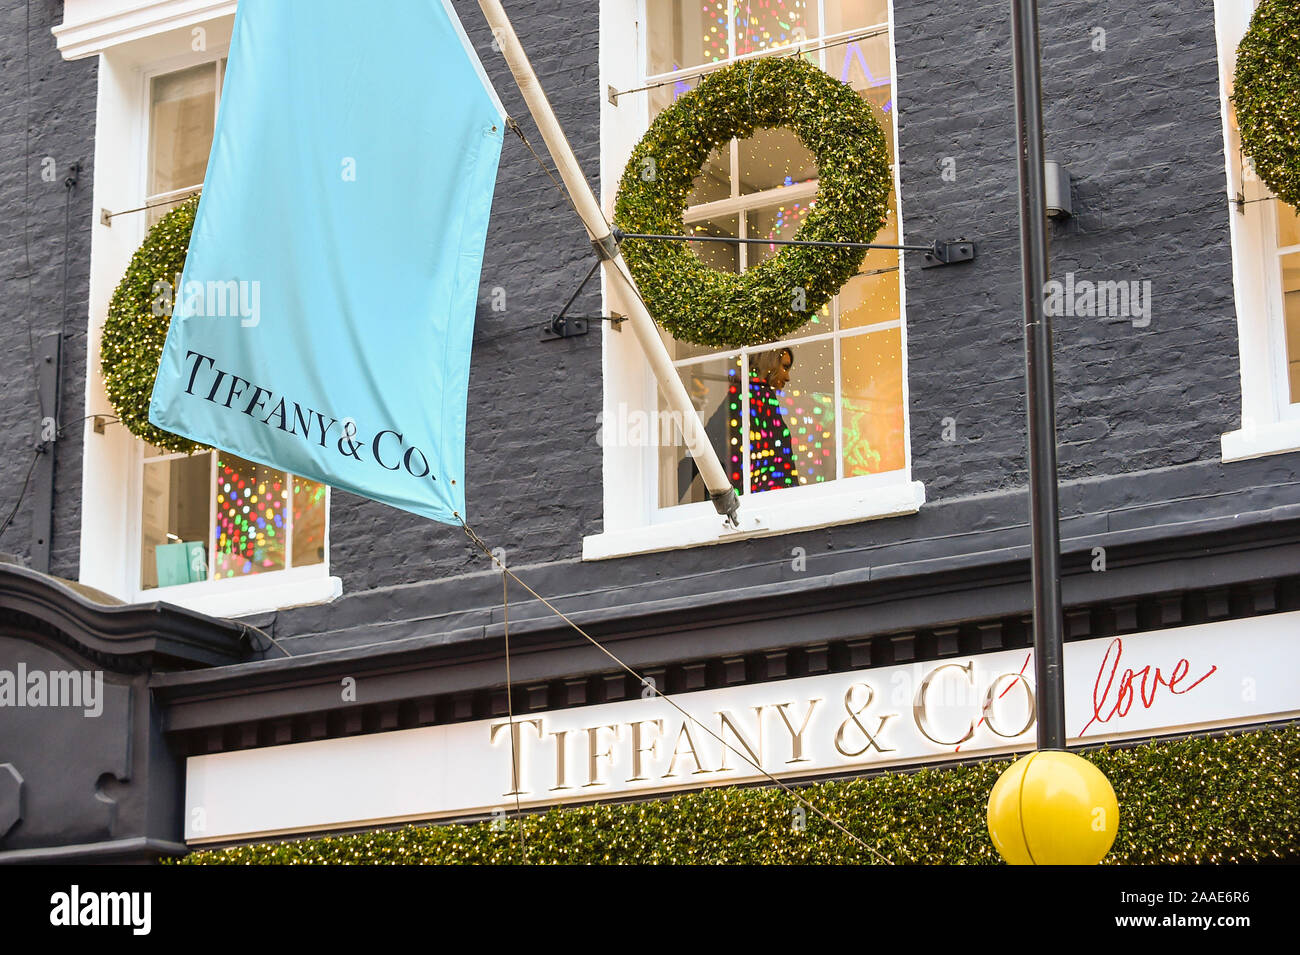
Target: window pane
pixel 714 180
pixel 723 256
pixel 871 383
pixel 309 513
pixel 843 15
pixel 181 120
pixel 1288 225
pixel 714 387
pixel 250 531
pixel 777 221
pixel 763 24
pixel 782 221
pixel 772 158
pixel 878 259
pixel 864 65
pixel 792 416
pixel 685 33
pixel 174 521
pixel 1291 311
pixel 869 300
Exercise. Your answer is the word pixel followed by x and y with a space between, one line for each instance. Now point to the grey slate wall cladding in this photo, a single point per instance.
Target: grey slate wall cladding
pixel 1138 125
pixel 57 120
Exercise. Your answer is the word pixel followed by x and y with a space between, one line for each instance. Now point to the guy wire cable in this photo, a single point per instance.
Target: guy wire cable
pixel 479 542
pixel 22 493
pixel 510 715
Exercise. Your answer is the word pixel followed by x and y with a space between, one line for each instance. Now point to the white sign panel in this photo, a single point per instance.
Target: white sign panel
pixel 1199 677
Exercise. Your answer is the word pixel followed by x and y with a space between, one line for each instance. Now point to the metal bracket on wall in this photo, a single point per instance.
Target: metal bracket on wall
pixel 948 253
pixel 568 326
pixel 565 325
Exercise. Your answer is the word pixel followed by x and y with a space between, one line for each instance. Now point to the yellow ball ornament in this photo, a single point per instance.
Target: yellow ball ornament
pixel 1053 808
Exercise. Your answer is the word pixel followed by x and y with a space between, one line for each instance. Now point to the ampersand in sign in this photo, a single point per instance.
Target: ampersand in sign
pixel 854 711
pixel 349 432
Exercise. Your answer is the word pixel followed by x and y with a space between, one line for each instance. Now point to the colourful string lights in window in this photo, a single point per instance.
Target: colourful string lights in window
pixel 762 24
pixel 811 417
pixel 250 525
pixel 715 38
pixel 771 456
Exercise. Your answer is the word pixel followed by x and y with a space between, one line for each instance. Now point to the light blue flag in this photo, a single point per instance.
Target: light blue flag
pixel 325 315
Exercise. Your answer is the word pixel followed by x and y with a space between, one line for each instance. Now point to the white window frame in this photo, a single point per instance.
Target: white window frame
pixel 1270 423
pixel 634 523
pixel 135 42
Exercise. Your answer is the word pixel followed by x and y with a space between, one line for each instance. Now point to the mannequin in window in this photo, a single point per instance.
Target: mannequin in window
pixel 772 462
pixel 771 455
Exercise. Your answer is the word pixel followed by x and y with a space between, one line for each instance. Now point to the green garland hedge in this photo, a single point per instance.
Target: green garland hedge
pixel 1266 93
pixel 700 304
pixel 1231 799
pixel 133 336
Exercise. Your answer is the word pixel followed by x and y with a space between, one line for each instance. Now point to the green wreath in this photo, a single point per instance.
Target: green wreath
pixel 138 317
pixel 1267 96
pixel 706 306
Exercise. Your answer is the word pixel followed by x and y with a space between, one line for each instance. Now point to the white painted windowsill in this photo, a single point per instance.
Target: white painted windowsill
pixel 1261 440
pixel 764 515
pixel 257 594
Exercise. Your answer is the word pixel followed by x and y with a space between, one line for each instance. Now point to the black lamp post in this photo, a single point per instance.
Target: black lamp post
pixel 1040 392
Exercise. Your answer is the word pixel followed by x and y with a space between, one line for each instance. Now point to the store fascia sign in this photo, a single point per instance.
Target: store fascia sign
pixel 1189 678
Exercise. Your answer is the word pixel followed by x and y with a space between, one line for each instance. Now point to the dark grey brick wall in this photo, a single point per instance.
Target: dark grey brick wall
pixel 47 109
pixel 1138 125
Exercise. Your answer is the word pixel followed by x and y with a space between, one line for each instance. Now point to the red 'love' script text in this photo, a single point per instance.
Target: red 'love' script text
pixel 1117 696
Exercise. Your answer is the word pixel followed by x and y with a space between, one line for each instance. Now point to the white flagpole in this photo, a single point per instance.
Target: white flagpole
pixel 722 493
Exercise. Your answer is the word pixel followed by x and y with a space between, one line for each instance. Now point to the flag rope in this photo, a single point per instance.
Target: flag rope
pixel 510 715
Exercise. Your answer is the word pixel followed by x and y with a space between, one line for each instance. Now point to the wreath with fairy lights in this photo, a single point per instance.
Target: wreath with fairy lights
pixel 699 304
pixel 139 314
pixel 1266 93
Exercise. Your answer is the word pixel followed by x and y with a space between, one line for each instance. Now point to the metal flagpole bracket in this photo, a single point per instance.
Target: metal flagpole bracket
pixel 948 253
pixel 565 325
pixel 607 247
pixel 727 503
pixel 570 326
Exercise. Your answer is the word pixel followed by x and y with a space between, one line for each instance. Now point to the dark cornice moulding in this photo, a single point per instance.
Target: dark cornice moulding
pixel 155 635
